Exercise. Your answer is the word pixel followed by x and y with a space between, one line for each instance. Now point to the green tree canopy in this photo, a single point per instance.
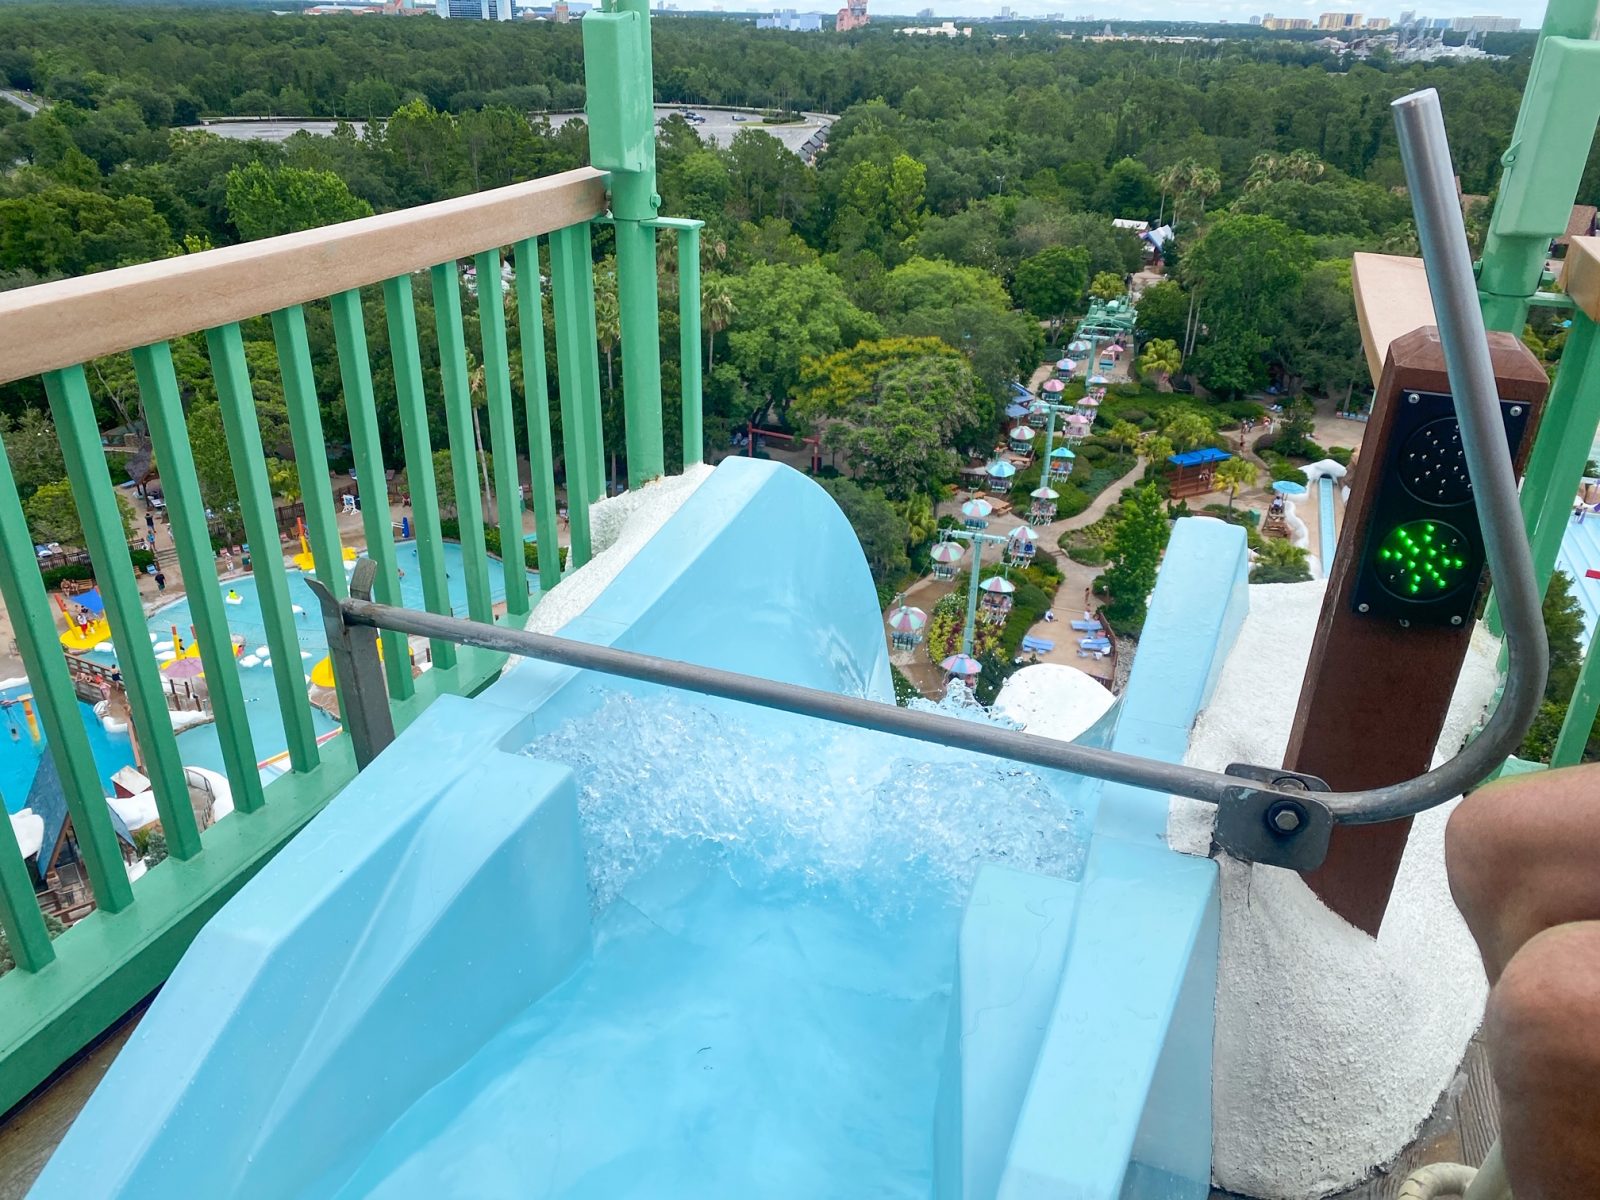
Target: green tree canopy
pixel 1135 553
pixel 1051 283
pixel 784 315
pixel 878 526
pixel 264 202
pixel 894 408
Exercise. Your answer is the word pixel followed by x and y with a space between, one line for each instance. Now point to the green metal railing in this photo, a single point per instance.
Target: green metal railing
pixel 63 993
pixel 1554 134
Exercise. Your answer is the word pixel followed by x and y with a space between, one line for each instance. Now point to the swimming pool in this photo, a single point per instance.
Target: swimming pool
pixel 20 753
pixel 201 746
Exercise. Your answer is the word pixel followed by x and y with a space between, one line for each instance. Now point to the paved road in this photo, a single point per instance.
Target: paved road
pixel 251 129
pixel 720 126
pixel 26 101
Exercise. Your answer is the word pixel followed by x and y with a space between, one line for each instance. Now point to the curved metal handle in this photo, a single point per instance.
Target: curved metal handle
pixel 1251 799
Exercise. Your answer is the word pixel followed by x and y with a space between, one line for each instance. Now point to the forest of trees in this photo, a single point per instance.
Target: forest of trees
pixel 957 217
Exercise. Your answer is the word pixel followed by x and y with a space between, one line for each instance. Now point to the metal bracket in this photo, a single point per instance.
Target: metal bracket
pixel 1266 826
pixel 353 650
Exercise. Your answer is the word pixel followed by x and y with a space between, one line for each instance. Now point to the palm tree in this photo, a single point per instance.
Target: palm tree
pixel 1234 475
pixel 1204 183
pixel 917 512
pixel 1175 179
pixel 717 311
pixel 1270 167
pixel 1161 360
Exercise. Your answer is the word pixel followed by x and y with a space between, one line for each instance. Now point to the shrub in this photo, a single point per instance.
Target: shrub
pixel 1073 500
pixel 1137 415
pixel 904 689
pixel 1092 453
pixel 1279 562
pixel 1242 410
pixel 1341 454
pixel 1088 556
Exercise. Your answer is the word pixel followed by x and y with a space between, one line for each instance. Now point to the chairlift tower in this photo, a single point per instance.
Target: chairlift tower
pixel 979 540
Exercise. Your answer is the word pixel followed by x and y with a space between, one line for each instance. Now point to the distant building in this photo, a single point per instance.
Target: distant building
pixel 1339 20
pixel 948 29
pixel 1436 24
pixel 852 16
pixel 925 14
pixel 794 22
pixel 1005 12
pixel 1486 24
pixel 1255 20
pixel 1377 23
pixel 1271 22
pixel 475 10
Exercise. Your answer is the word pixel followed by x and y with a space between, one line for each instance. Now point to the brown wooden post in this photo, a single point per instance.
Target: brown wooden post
pixel 1376 693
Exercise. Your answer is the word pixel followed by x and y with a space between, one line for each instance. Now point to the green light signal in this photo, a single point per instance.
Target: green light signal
pixel 1422 560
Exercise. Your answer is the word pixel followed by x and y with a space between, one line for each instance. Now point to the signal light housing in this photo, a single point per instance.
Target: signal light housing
pixel 1424 558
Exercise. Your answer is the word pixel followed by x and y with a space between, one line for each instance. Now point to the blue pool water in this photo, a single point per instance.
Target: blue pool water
pixel 777 905
pixel 19 759
pixel 20 754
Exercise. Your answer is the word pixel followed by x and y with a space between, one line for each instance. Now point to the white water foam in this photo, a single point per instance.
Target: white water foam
pixel 886 820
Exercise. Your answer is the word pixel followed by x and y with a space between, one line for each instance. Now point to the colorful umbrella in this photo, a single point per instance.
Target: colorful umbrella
pixel 907 619
pixel 997 470
pixel 1054 385
pixel 183 668
pixel 976 509
pixel 1024 534
pixel 962 664
pixel 1066 364
pixel 1062 452
pixel 1077 419
pixel 1098 379
pixel 1115 350
pixel 1089 401
pixel 1039 406
pixel 1079 346
pixel 1288 487
pixel 998 586
pixel 947 552
pixel 1023 433
pixel 1044 493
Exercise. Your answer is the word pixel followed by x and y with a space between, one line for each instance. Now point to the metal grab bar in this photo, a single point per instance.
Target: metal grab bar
pixel 1265 814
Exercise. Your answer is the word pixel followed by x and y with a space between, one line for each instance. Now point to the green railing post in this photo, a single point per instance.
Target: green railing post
pixel 1582 708
pixel 463 451
pixel 401 312
pixel 536 398
pixel 226 347
pixel 39 646
pixel 617 64
pixel 1542 168
pixel 355 376
pixel 689 335
pixel 502 429
pixel 310 454
pixel 578 370
pixel 105 536
pixel 1556 463
pixel 20 917
pixel 191 538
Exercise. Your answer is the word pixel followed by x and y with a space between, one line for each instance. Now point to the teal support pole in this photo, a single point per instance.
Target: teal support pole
pixel 1544 162
pixel 1582 709
pixel 970 628
pixel 689 335
pixel 621 117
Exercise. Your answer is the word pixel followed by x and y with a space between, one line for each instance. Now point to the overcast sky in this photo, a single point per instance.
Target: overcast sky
pixel 1531 11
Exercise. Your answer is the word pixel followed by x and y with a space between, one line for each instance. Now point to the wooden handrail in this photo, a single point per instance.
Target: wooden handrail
pixel 55 325
pixel 1580 276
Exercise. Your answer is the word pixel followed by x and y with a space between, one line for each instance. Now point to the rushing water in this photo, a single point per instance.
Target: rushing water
pixel 777 904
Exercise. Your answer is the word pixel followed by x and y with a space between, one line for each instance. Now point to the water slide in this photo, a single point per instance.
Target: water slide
pixel 584 937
